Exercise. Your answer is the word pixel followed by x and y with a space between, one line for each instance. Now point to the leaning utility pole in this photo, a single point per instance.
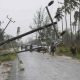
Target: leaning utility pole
pixel 27 33
pixel 10 20
pixel 52 22
pixel 30 32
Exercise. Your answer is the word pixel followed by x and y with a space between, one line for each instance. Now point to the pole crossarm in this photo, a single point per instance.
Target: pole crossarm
pixel 27 33
pixel 10 20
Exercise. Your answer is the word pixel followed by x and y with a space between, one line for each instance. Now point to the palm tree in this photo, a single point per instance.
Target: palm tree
pixel 76 18
pixel 71 24
pixel 70 5
pixel 59 16
pixel 67 8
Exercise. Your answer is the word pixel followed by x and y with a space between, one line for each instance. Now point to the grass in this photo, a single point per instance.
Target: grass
pixel 62 50
pixel 78 55
pixel 7 57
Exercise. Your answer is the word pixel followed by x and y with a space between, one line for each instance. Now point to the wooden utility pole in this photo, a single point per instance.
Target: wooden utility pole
pixel 52 22
pixel 27 33
pixel 30 32
pixel 10 20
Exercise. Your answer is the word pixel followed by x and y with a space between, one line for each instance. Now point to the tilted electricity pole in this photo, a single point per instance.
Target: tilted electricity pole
pixel 51 18
pixel 10 20
pixel 27 33
pixel 30 32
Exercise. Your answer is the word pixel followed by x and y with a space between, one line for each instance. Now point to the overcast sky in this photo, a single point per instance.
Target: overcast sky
pixel 21 11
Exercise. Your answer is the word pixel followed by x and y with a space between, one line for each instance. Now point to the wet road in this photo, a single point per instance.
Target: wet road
pixel 40 66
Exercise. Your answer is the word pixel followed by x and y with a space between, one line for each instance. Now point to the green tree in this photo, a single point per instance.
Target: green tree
pixel 69 6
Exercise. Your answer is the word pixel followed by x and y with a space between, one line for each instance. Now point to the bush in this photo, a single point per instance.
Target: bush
pixel 62 50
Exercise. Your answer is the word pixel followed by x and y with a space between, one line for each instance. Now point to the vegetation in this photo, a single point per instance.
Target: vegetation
pixel 40 19
pixel 46 35
pixel 3 37
pixel 7 57
pixel 63 13
pixel 62 50
pixel 69 9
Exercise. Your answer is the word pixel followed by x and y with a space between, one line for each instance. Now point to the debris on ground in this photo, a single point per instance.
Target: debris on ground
pixel 5 68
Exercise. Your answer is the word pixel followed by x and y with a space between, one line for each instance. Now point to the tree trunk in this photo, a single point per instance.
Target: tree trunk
pixel 62 28
pixel 71 25
pixel 79 24
pixel 65 17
